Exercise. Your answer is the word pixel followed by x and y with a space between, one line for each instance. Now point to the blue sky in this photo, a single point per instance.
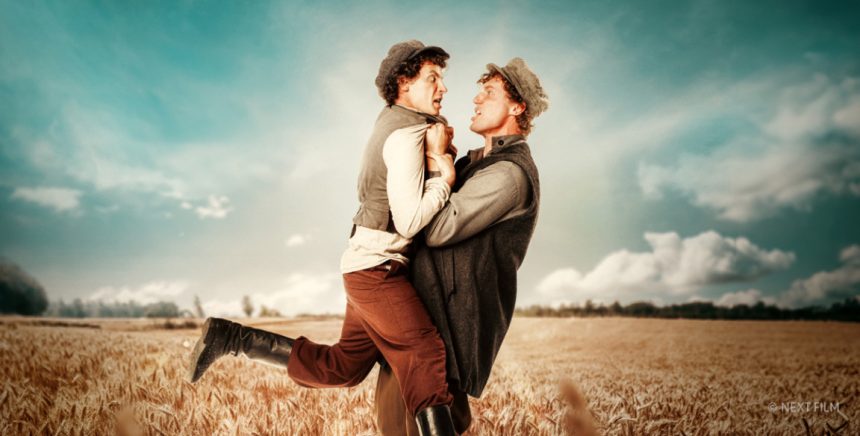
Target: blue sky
pixel 692 150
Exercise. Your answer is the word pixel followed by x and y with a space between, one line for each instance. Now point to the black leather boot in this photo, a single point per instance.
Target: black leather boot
pixel 221 337
pixel 435 421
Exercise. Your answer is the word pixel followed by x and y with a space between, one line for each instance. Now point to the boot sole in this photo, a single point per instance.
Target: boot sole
pixel 198 350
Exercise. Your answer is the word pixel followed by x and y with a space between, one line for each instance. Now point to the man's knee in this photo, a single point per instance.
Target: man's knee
pixel 315 365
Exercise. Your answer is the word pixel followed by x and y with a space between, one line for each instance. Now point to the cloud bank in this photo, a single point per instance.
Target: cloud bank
pixel 58 199
pixel 748 297
pixel 675 265
pixel 300 293
pixel 807 148
pixel 839 283
pixel 145 294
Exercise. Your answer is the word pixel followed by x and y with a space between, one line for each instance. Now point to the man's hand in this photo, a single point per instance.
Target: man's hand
pixel 444 164
pixel 438 138
pixel 438 142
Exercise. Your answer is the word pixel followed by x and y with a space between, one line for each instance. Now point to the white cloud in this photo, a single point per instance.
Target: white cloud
pixel 749 297
pixel 102 149
pixel 232 308
pixel 300 293
pixel 841 282
pixel 750 184
pixel 306 293
pixel 102 152
pixel 797 155
pixel 297 240
pixel 59 199
pixel 848 117
pixel 145 294
pixel 674 265
pixel 217 207
pixel 820 288
pixel 228 165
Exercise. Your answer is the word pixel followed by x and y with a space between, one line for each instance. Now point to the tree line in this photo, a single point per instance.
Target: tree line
pixel 847 310
pixel 22 294
pixel 131 309
pixel 88 309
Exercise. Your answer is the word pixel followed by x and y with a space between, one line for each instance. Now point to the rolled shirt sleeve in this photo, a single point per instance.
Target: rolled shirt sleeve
pixel 412 200
pixel 493 194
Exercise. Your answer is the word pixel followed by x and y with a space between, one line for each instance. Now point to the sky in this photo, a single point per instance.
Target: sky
pixel 693 151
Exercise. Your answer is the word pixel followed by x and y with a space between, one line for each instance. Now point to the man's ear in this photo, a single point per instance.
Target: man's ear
pixel 517 109
pixel 403 83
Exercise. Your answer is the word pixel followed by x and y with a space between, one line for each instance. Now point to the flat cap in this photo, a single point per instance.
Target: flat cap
pixel 526 83
pixel 398 54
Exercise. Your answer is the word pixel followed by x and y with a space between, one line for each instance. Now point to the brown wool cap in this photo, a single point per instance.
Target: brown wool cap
pixel 398 54
pixel 526 83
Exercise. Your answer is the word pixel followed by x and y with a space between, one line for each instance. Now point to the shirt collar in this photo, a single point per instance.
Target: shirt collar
pixel 506 140
pixel 498 142
pixel 430 119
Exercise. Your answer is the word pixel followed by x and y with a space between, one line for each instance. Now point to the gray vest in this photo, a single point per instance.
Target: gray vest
pixel 374 211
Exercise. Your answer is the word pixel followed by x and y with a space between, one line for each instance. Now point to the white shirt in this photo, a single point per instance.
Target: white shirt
pixel 412 200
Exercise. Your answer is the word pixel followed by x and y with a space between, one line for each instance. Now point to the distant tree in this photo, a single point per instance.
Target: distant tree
pixel 113 309
pixel 589 307
pixel 696 309
pixel 198 307
pixel 562 310
pixel 56 308
pixel 847 310
pixel 272 313
pixel 641 308
pixel 19 292
pixel 161 309
pixel 78 310
pixel 247 307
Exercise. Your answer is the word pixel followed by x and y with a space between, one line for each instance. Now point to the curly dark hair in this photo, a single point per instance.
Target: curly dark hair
pixel 409 69
pixel 524 120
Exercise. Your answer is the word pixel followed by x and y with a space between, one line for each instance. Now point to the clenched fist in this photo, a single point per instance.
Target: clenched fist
pixel 438 138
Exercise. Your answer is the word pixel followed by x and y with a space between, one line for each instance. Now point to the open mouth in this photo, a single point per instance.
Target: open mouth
pixel 477 114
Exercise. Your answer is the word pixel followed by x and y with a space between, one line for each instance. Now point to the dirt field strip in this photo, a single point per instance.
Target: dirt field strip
pixel 638 376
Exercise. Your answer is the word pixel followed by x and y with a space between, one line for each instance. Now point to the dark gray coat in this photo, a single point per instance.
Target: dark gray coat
pixel 470 287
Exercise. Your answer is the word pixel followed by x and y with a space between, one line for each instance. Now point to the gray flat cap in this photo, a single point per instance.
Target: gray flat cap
pixel 526 82
pixel 399 53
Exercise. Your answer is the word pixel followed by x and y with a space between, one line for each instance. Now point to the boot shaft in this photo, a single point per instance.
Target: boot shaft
pixel 435 421
pixel 221 337
pixel 264 346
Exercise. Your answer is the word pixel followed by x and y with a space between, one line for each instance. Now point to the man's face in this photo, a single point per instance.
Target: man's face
pixel 424 92
pixel 493 107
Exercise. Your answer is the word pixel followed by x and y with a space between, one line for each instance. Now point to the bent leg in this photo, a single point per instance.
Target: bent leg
pixel 397 322
pixel 343 364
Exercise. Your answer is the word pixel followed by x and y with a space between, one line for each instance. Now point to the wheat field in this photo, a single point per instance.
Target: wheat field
pixel 637 376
